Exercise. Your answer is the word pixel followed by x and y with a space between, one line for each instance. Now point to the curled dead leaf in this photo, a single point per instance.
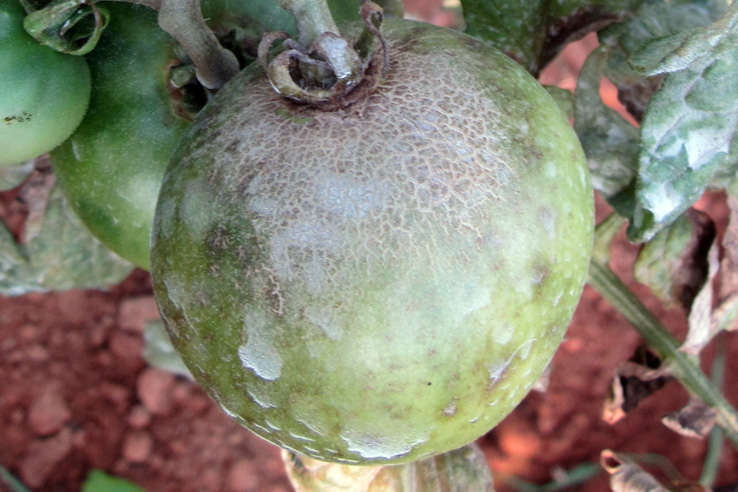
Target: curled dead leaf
pixel 715 308
pixel 634 380
pixel 626 475
pixel 696 419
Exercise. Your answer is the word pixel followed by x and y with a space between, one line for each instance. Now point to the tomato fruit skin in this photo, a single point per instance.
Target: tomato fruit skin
pixel 385 282
pixel 111 168
pixel 43 93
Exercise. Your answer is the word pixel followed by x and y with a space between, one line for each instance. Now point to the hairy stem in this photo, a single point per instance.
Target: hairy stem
pixel 214 65
pixel 313 18
pixel 684 367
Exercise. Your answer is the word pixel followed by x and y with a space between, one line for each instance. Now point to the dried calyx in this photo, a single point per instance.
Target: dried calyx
pixel 322 68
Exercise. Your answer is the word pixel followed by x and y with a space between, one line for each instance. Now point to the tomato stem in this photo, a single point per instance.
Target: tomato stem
pixel 321 67
pixel 666 346
pixel 313 18
pixel 183 20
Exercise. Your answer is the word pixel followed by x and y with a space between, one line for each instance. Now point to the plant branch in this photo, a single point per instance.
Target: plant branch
pixel 683 366
pixel 182 19
pixel 313 18
pixel 214 65
pixel 13 483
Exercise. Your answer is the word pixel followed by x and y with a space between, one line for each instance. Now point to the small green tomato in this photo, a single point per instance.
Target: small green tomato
pixel 43 94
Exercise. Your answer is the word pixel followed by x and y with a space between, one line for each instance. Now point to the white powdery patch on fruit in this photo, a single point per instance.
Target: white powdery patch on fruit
pixel 503 333
pixel 548 218
pixel 387 445
pixel 261 396
pixel 331 324
pixel 497 368
pixel 259 353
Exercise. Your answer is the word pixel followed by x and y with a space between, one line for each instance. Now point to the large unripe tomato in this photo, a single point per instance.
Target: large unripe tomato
pixel 43 94
pixel 112 167
pixel 384 282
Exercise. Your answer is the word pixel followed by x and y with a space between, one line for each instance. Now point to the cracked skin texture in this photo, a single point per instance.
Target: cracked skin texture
pixel 384 282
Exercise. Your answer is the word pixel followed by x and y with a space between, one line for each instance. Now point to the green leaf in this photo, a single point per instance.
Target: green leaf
pixel 655 19
pixel 534 32
pixel 99 481
pixel 563 98
pixel 609 141
pixel 689 135
pixel 682 49
pixel 61 255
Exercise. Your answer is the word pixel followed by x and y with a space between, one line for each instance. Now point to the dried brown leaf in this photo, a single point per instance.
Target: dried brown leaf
pixel 725 313
pixel 709 316
pixel 626 475
pixel 700 316
pixel 696 419
pixel 634 381
pixel 34 194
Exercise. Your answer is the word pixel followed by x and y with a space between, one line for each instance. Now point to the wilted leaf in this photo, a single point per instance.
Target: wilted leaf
pixel 634 381
pixel 462 470
pixel 687 134
pixel 159 351
pixel 626 475
pixel 59 254
pixel 674 263
pixel 709 317
pixel 694 420
pixel 701 328
pixel 724 314
pixel 609 141
pixel 534 32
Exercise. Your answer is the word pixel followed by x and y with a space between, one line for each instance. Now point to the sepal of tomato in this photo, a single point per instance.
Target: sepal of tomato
pixel 43 94
pixel 112 167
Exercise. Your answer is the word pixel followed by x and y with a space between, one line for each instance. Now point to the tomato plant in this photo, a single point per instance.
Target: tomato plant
pixel 389 282
pixel 111 168
pixel 43 94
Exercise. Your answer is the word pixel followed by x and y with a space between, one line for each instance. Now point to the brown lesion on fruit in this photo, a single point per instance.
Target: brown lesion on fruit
pixel 23 117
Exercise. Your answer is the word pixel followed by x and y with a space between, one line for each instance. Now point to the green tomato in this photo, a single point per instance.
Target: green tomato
pixel 43 94
pixel 384 282
pixel 111 168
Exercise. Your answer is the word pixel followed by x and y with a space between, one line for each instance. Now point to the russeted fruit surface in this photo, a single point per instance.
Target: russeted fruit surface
pixel 383 282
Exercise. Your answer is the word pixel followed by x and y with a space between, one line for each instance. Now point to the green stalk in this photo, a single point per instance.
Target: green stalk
pixel 715 443
pixel 13 483
pixel 684 368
